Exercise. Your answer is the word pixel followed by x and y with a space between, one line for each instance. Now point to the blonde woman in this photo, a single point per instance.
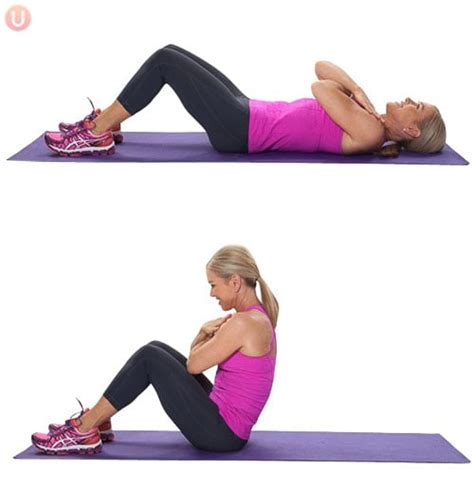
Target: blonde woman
pixel 416 126
pixel 213 417
pixel 339 118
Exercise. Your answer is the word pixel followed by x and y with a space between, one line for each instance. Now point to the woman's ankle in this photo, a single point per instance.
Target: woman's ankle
pixel 100 126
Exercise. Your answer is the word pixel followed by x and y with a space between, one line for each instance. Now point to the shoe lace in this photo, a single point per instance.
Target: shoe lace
pixel 80 413
pixel 93 108
pixel 74 131
pixel 80 126
pixel 67 425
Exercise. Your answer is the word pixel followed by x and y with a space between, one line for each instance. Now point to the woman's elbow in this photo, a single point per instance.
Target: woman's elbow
pixel 320 69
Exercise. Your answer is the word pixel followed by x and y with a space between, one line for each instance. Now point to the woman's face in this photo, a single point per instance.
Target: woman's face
pixel 408 115
pixel 221 289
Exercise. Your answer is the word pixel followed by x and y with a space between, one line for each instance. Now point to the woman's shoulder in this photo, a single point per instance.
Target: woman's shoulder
pixel 259 333
pixel 253 317
pixel 372 140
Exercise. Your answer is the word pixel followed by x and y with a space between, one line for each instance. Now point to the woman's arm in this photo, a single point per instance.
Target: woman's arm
pixel 201 337
pixel 208 330
pixel 350 116
pixel 325 70
pixel 198 345
pixel 227 339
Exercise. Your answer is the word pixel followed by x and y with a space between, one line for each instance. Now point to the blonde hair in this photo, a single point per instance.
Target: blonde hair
pixel 234 259
pixel 431 140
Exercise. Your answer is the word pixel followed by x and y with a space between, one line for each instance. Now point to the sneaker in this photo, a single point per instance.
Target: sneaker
pixel 105 429
pixel 81 141
pixel 65 127
pixel 67 439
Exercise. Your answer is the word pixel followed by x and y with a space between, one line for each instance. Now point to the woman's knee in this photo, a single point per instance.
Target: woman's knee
pixel 170 50
pixel 161 54
pixel 150 347
pixel 156 344
pixel 150 351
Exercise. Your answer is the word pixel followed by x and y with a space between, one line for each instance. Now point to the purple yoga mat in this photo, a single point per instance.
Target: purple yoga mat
pixel 195 146
pixel 267 445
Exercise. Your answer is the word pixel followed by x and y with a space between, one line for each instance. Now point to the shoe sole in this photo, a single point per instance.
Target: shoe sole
pixel 92 449
pixel 107 150
pixel 79 154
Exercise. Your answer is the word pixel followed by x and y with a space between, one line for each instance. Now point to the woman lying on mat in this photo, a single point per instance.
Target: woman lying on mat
pixel 215 417
pixel 339 119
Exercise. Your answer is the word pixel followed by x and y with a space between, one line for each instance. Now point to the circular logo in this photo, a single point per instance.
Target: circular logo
pixel 18 17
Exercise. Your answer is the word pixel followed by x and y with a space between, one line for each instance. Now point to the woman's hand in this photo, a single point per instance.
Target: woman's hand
pixel 361 98
pixel 211 327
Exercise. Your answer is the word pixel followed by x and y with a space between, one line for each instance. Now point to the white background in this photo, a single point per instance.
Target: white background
pixel 372 264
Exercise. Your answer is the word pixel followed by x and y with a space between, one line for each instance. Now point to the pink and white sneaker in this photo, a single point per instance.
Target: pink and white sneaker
pixel 65 126
pixel 81 141
pixel 67 439
pixel 105 429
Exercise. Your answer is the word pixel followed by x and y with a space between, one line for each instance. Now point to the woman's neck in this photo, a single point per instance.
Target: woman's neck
pixel 389 134
pixel 246 302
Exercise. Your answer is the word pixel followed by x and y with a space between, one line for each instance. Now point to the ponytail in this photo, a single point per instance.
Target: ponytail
pixel 389 150
pixel 270 303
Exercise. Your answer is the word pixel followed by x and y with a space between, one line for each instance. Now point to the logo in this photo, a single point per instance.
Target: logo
pixel 18 17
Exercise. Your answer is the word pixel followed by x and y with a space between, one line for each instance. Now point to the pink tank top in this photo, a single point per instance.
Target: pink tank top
pixel 242 386
pixel 302 125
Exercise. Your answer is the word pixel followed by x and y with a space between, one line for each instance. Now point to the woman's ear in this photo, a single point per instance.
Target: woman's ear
pixel 412 132
pixel 236 281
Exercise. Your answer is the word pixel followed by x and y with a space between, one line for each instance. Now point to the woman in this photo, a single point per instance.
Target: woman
pixel 339 119
pixel 215 417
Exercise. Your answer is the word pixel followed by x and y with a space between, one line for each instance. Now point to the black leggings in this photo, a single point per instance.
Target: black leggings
pixel 211 98
pixel 184 396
